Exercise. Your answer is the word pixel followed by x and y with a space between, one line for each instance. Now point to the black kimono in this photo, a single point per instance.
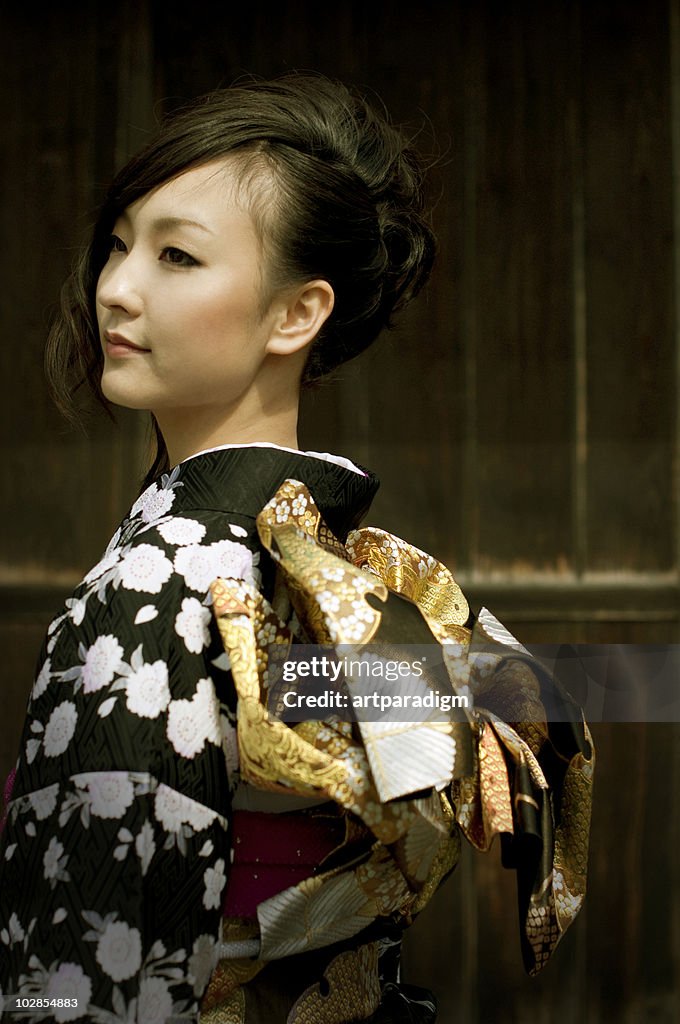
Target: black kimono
pixel 116 849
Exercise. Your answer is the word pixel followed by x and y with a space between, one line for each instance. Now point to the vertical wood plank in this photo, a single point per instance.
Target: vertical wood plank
pixel 674 48
pixel 631 375
pixel 579 286
pixel 525 369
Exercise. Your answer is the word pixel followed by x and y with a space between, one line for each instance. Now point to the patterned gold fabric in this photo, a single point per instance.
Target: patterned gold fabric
pixel 351 991
pixel 413 792
pixel 346 989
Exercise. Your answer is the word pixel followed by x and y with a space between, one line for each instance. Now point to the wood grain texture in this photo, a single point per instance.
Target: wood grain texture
pixel 628 213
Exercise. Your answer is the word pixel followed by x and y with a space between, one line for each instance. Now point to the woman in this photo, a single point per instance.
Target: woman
pixel 163 855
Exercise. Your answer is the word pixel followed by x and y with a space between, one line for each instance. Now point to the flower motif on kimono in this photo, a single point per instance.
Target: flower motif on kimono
pixel 158 498
pixel 202 962
pixel 119 950
pixel 155 1001
pixel 282 512
pixel 68 982
pixel 266 634
pixel 193 722
pixel 54 863
pixel 215 881
pixel 568 903
pixel 336 574
pixel 147 689
pixel 145 568
pixel 350 628
pixel 106 562
pixel 173 810
pixel 60 728
pixel 102 661
pixel 180 531
pixel 362 611
pixel 99 664
pixel 201 564
pixel 42 681
pixel 191 623
pixel 43 801
pixel 114 542
pixel 109 793
pixel 328 601
pixel 299 504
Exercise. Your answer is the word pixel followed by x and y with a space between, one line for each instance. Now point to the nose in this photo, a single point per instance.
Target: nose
pixel 118 287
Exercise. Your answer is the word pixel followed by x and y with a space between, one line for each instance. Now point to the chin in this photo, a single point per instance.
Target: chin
pixel 116 393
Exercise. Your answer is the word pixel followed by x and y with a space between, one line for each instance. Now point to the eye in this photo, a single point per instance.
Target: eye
pixel 116 244
pixel 177 257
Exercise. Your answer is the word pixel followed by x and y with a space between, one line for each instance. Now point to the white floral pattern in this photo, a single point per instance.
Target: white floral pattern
pixel 54 860
pixel 200 564
pixel 193 722
pixel 155 1001
pixel 101 663
pixel 180 530
pixel 148 692
pixel 42 681
pixel 191 623
pixel 109 793
pixel 108 562
pixel 69 982
pixel 119 950
pixel 202 961
pixel 215 880
pixel 43 801
pixel 173 810
pixel 145 568
pixel 60 729
pixel 153 503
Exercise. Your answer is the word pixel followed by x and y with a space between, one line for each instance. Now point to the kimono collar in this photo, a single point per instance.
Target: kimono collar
pixel 242 479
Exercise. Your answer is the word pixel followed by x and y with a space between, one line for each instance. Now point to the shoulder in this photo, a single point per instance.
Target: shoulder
pixel 154 568
pixel 148 552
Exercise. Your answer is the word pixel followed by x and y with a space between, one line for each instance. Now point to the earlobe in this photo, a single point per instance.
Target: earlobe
pixel 301 318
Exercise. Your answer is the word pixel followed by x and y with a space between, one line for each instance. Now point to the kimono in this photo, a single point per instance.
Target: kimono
pixel 172 851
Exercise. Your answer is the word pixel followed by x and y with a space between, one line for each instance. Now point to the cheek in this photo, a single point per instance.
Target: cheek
pixel 217 317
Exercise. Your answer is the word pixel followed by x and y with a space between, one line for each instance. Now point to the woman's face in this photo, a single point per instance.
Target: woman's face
pixel 183 284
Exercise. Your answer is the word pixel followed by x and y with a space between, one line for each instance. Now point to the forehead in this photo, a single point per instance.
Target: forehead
pixel 210 191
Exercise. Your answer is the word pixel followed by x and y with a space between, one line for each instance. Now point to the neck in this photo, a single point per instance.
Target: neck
pixel 187 432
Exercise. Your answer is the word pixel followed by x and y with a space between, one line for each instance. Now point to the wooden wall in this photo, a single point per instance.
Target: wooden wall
pixel 522 418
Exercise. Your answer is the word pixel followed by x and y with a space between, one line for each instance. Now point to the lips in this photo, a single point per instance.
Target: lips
pixel 119 343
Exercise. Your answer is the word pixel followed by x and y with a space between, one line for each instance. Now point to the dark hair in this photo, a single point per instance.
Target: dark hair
pixel 346 206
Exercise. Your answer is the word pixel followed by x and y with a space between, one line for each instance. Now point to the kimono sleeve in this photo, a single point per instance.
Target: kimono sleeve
pixel 115 853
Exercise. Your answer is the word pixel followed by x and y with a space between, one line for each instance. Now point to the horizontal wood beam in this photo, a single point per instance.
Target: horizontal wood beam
pixel 631 599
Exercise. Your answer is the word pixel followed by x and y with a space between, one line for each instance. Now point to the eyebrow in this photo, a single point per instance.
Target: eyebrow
pixel 164 223
pixel 167 223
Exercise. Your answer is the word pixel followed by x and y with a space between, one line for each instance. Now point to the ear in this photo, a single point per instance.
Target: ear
pixel 300 317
